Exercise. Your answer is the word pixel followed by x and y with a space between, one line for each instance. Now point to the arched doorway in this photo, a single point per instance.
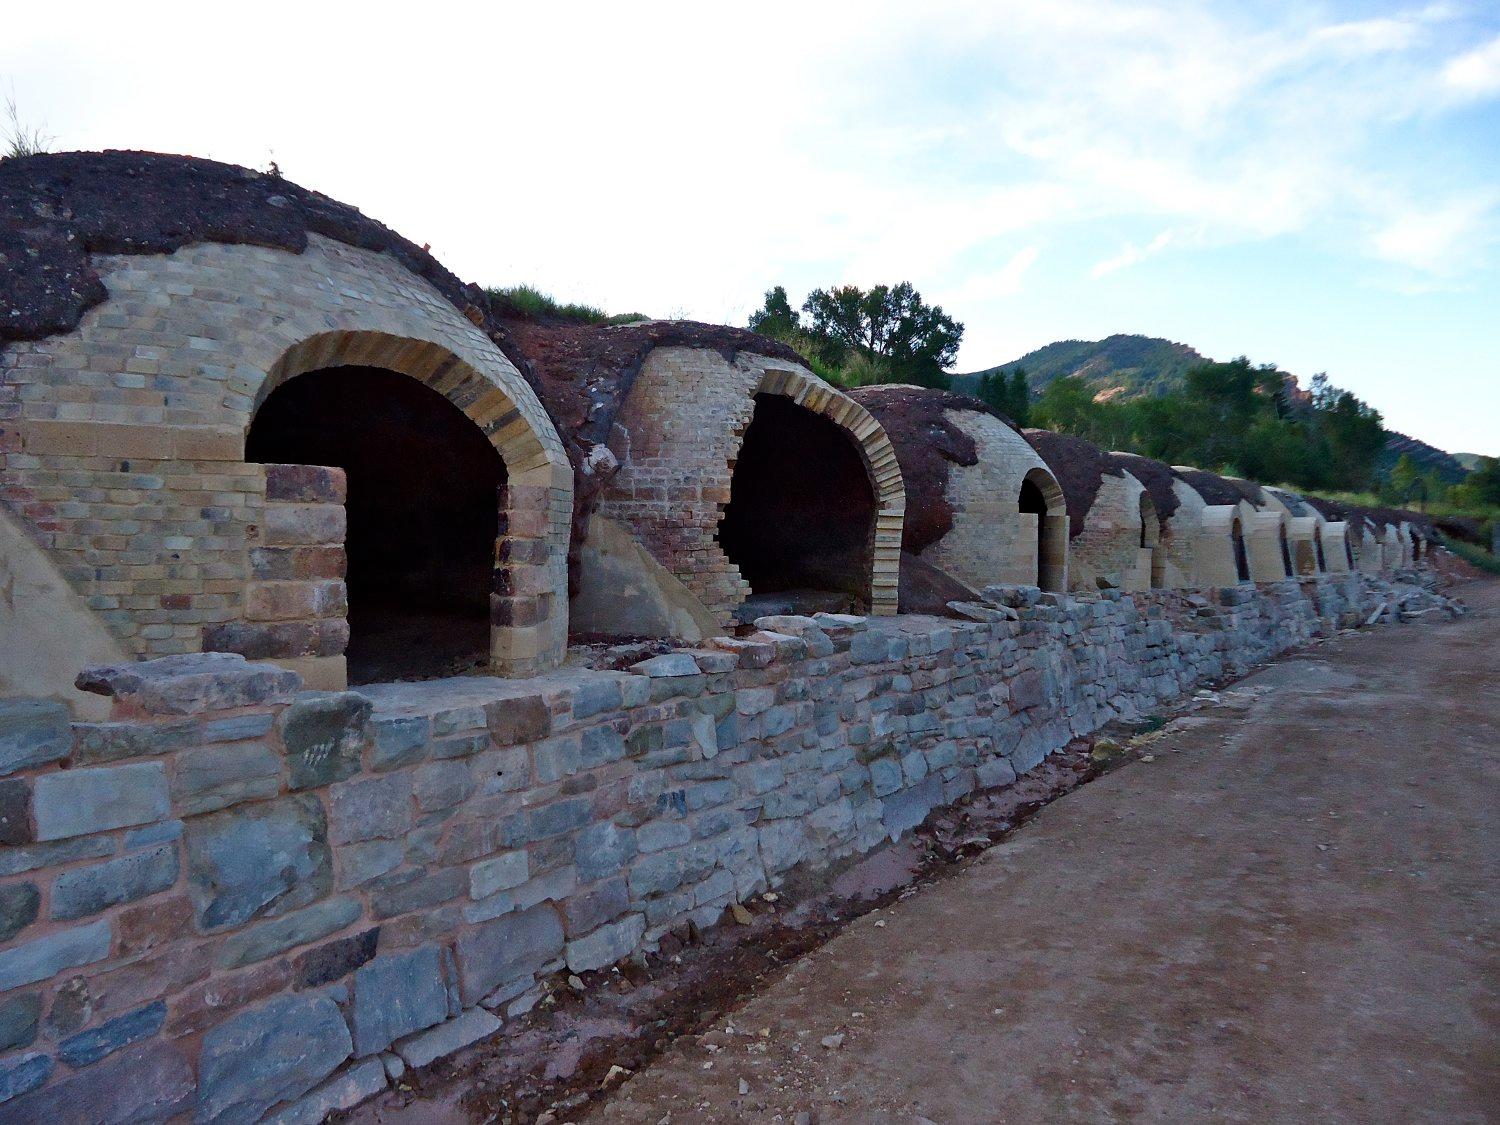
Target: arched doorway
pixel 425 489
pixel 1151 541
pixel 1042 497
pixel 800 522
pixel 1241 555
pixel 1318 549
pixel 1286 549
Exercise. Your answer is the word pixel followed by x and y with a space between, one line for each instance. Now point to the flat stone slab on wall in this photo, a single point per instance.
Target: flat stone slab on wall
pixel 233 899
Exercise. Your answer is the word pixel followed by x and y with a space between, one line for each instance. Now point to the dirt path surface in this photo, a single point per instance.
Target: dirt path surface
pixel 1287 913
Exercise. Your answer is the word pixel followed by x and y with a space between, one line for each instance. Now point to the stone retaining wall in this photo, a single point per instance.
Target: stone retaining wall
pixel 237 898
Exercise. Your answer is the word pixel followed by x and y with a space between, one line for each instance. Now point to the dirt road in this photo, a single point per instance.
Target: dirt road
pixel 1290 914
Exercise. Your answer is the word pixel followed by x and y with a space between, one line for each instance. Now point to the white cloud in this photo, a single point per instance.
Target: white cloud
pixel 1130 254
pixel 1369 36
pixel 1440 239
pixel 1475 74
pixel 998 284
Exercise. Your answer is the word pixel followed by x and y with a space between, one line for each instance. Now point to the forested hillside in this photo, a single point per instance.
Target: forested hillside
pixel 1117 366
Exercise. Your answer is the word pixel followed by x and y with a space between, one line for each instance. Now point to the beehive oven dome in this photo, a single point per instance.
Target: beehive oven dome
pixel 1080 467
pixel 1159 479
pixel 927 444
pixel 56 209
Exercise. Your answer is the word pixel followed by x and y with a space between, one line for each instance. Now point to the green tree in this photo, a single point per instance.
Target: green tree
pixel 776 317
pixel 1010 395
pixel 892 323
pixel 1355 436
pixel 1020 397
pixel 1481 486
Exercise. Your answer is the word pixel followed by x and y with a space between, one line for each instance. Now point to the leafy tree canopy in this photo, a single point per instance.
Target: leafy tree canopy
pixel 884 334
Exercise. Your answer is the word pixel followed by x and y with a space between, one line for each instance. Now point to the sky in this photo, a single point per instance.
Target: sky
pixel 1311 185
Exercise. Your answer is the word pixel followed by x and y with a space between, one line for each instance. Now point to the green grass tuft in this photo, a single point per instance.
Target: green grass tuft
pixel 528 301
pixel 1475 556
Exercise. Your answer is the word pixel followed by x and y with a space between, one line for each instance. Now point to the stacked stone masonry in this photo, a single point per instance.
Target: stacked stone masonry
pixel 238 899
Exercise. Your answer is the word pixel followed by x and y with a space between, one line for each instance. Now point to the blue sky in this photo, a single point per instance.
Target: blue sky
pixel 1315 185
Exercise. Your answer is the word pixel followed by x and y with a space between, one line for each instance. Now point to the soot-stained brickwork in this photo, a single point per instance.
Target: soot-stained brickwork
pixel 1213 488
pixel 584 374
pixel 927 443
pixel 1159 479
pixel 1080 467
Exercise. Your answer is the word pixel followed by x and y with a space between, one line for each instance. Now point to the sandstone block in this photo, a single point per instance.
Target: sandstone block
pixel 19 904
pixel 80 802
pixel 305 525
pixel 268 1055
pixel 306 484
pixel 323 733
pixel 460 1032
pixel 396 995
pixel 88 890
pixel 33 732
pixel 191 684
pixel 258 861
pixel 505 949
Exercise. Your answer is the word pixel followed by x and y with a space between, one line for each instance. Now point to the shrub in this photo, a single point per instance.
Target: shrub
pixel 531 303
pixel 1475 556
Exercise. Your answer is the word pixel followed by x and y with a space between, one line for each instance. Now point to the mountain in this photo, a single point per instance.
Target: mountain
pixel 1127 366
pixel 1117 365
pixel 1469 461
pixel 1449 468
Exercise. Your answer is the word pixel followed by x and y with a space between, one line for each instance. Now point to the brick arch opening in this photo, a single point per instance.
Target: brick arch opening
pixel 1241 555
pixel 842 424
pixel 524 477
pixel 1151 540
pixel 1318 549
pixel 1041 498
pixel 423 495
pixel 800 522
pixel 1286 549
